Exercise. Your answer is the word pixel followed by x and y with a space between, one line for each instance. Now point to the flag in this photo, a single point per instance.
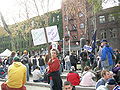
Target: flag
pixel 94 41
pixel 4 24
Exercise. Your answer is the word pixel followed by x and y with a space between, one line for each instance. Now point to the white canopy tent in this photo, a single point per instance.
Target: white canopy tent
pixel 7 52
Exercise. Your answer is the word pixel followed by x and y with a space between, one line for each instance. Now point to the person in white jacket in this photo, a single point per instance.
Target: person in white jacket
pixel 37 77
pixel 67 62
pixel 87 77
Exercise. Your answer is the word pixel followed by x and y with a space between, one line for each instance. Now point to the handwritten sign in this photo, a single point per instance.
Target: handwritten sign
pixel 52 33
pixel 38 36
pixel 88 48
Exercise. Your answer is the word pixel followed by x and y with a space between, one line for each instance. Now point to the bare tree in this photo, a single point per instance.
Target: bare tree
pixel 6 28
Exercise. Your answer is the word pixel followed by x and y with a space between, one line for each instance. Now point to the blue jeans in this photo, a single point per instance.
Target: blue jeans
pixel 105 65
pixel 67 65
pixel 27 66
pixel 51 84
pixel 42 69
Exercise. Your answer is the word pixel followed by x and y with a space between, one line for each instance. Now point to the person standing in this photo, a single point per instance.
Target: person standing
pixel 73 59
pixel 34 62
pixel 53 71
pixel 67 62
pixel 106 56
pixel 25 61
pixel 10 59
pixel 16 76
pixel 84 60
pixel 41 64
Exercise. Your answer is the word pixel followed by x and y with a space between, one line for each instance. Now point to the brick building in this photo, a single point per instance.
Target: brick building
pixel 108 26
pixel 78 23
pixel 74 22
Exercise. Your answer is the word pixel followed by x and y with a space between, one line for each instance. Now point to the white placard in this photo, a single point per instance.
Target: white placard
pixel 52 33
pixel 88 48
pixel 38 36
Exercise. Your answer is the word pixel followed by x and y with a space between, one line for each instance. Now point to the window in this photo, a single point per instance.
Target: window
pixel 32 23
pixel 82 25
pixel 102 19
pixel 118 15
pixel 65 18
pixel 111 17
pixel 113 33
pixel 91 21
pixel 65 8
pixel 66 28
pixel 74 27
pixel 58 17
pixel 53 19
pixel 23 27
pixel 80 14
pixel 103 34
pixel 74 37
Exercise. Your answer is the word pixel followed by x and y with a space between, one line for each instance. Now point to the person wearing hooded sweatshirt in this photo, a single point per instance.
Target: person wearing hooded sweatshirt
pixel 16 76
pixel 73 77
pixel 106 56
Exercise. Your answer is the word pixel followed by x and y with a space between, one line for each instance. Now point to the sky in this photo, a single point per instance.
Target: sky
pixel 14 10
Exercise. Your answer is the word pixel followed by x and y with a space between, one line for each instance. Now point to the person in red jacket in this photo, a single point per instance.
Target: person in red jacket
pixel 53 71
pixel 73 77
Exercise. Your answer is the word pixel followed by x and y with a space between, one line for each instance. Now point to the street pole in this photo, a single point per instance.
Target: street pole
pixel 63 48
pixel 69 41
pixel 48 46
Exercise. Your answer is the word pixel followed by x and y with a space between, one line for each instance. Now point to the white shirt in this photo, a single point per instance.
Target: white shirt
pixel 67 58
pixel 87 79
pixel 36 74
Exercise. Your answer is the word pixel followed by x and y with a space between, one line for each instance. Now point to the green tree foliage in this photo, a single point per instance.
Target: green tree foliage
pixel 96 5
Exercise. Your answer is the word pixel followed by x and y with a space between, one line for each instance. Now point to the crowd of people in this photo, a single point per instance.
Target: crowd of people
pixel 100 69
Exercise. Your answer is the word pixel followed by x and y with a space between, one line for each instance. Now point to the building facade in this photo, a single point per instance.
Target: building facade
pixel 74 22
pixel 108 26
pixel 78 22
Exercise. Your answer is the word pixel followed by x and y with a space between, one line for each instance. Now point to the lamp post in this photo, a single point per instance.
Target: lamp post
pixel 69 41
pixel 77 46
pixel 63 47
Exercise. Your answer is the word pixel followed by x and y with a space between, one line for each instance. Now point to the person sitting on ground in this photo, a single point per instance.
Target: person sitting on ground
pixel 37 77
pixel 105 75
pixel 87 77
pixel 73 77
pixel 117 87
pixel 67 86
pixel 16 76
pixel 3 73
pixel 111 83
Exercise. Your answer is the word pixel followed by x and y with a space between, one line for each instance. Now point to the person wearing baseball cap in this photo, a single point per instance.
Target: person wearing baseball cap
pixel 106 56
pixel 110 84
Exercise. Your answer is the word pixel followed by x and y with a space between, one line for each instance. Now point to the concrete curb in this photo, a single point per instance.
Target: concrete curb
pixel 41 84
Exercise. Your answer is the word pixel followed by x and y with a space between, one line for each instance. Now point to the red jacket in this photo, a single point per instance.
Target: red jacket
pixel 54 65
pixel 74 78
